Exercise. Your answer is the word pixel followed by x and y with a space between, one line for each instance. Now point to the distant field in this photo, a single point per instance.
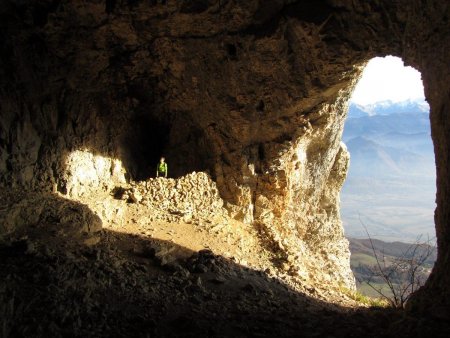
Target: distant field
pixel 368 291
pixel 362 259
pixel 358 259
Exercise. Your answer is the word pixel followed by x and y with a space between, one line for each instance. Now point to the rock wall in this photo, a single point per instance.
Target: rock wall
pixel 86 174
pixel 253 92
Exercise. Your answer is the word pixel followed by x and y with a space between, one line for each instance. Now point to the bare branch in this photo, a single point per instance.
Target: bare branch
pixel 402 275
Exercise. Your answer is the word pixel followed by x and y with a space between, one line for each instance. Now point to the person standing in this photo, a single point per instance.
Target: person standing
pixel 161 168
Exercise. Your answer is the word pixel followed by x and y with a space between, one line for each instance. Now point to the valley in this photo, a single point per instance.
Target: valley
pixel 364 256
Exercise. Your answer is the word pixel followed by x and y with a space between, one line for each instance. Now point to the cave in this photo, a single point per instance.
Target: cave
pixel 252 93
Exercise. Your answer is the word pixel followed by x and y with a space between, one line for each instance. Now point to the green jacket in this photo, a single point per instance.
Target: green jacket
pixel 161 168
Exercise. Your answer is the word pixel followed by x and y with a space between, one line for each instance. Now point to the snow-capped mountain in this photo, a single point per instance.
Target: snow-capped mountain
pixel 388 107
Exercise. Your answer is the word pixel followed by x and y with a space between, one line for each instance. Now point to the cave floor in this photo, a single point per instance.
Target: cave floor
pixel 161 278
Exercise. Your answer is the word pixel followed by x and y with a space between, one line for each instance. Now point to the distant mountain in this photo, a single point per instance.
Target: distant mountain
pixel 392 249
pixel 415 142
pixel 378 126
pixel 372 159
pixel 388 108
pixel 357 110
pixel 391 180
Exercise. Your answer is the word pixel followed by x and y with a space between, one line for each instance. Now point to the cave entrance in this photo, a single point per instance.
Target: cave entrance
pixel 185 146
pixel 143 146
pixel 391 183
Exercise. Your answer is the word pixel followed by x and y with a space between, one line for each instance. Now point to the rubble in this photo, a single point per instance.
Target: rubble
pixel 193 197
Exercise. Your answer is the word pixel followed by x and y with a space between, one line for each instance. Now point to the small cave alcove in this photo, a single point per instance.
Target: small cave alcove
pixel 185 147
pixel 189 149
pixel 143 145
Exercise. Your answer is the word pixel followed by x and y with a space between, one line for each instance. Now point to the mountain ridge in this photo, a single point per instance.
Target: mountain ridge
pixel 388 107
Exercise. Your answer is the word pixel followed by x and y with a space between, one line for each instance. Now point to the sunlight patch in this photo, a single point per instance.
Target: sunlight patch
pixel 86 173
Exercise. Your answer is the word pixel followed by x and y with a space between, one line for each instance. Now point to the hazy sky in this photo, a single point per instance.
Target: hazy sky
pixel 388 79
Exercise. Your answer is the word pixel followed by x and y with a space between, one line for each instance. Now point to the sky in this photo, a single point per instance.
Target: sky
pixel 388 79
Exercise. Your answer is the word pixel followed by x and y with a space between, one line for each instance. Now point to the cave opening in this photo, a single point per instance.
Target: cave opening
pixel 144 145
pixel 389 193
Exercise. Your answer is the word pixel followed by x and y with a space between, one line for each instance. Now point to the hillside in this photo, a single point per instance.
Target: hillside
pixel 363 261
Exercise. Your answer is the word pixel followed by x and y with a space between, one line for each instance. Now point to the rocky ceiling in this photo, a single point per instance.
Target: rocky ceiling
pixel 255 92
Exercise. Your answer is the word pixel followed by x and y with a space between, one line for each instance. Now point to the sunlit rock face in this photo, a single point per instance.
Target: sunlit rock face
pixel 86 173
pixel 254 92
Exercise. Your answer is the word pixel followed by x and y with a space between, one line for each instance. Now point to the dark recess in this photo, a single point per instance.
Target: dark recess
pixel 42 10
pixel 144 145
pixel 261 152
pixel 189 150
pixel 315 11
pixel 260 106
pixel 232 51
pixel 109 6
pixel 195 7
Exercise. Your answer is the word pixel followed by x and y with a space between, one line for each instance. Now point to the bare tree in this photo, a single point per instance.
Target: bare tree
pixel 402 275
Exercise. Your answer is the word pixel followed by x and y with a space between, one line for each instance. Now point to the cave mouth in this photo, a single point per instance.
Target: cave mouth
pixel 389 193
pixel 144 145
pixel 185 147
